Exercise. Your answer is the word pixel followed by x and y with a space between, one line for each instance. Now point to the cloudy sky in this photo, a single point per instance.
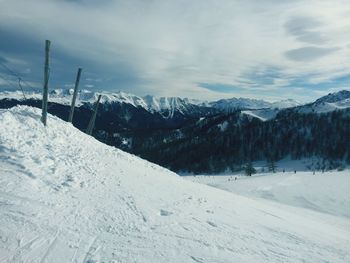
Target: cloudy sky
pixel 204 49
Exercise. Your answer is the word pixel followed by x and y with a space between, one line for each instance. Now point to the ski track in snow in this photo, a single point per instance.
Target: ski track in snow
pixel 65 197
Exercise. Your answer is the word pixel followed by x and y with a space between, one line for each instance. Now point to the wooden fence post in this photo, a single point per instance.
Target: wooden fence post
pixel 93 117
pixel 71 113
pixel 46 81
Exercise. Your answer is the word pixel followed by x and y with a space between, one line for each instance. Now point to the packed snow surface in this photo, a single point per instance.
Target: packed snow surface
pixel 65 197
pixel 323 192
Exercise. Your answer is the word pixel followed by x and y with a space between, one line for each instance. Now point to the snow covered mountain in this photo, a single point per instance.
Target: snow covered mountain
pixel 331 102
pixel 264 110
pixel 260 109
pixel 252 104
pixel 334 97
pixel 283 104
pixel 66 197
pixel 176 111
pixel 168 107
pixel 239 103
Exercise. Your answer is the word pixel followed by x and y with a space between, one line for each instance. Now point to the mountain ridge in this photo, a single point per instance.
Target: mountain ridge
pixel 175 140
pixel 152 103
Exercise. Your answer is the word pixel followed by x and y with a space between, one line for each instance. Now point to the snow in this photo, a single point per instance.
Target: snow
pixel 164 105
pixel 288 164
pixel 331 106
pixel 263 114
pixel 283 104
pixel 324 107
pixel 316 107
pixel 240 103
pixel 200 119
pixel 334 101
pixel 334 97
pixel 65 197
pixel 223 126
pixel 252 104
pixel 167 106
pixel 323 192
pixel 18 95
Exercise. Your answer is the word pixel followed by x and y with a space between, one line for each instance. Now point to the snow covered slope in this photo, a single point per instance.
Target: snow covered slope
pixel 323 192
pixel 251 104
pixel 334 97
pixel 331 102
pixel 239 103
pixel 323 107
pixel 283 104
pixel 259 109
pixel 65 197
pixel 263 114
pixel 334 101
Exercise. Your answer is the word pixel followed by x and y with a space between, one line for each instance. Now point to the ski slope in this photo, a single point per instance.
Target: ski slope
pixel 65 197
pixel 323 192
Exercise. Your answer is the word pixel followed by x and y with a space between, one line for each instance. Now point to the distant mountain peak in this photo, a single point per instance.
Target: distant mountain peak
pixel 334 97
pixel 286 103
pixel 169 107
pixel 239 103
pixel 333 101
pixel 252 104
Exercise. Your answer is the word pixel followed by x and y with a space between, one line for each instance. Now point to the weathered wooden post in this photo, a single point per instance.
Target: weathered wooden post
pixel 46 82
pixel 71 113
pixel 93 117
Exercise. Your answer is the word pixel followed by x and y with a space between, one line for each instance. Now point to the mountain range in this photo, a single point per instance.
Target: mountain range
pixel 166 106
pixel 169 107
pixel 187 135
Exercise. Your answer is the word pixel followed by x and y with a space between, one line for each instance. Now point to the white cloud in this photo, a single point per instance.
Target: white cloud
pixel 172 46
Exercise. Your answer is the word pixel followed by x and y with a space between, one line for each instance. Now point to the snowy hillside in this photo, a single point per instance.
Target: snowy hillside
pixel 282 104
pixel 66 197
pixel 323 192
pixel 322 107
pixel 334 97
pixel 251 104
pixel 262 114
pixel 331 102
pixel 239 103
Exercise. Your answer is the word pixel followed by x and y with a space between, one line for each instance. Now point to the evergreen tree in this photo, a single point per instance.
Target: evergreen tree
pixel 271 165
pixel 249 169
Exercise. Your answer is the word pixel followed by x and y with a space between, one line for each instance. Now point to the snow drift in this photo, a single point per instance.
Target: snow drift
pixel 65 197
